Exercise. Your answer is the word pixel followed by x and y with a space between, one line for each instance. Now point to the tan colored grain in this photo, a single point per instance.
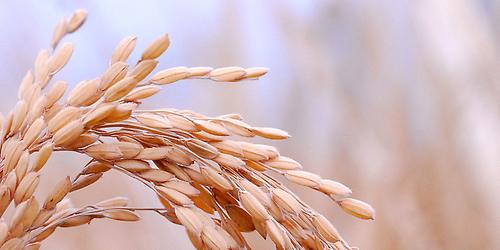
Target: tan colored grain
pixel 22 166
pixel 58 193
pixel 325 228
pixel 179 172
pixel 255 72
pixel 60 58
pixel 227 74
pixel 189 219
pixel 211 127
pixel 213 239
pixel 216 179
pixel 143 69
pixel 123 49
pixel 334 188
pixel 43 155
pixel 182 186
pixel 113 202
pixel 216 188
pixel 183 123
pixel 195 72
pixel 59 32
pixel 63 117
pixel 156 48
pixel 276 234
pixel 202 149
pixel 241 218
pixel 116 72
pixel 99 114
pixel 33 131
pixel 271 133
pixel 285 200
pixel 85 93
pixel 237 127
pixel 26 187
pixel 133 165
pixel 85 181
pixel 41 69
pixel 96 167
pixel 174 196
pixel 76 20
pixel 121 214
pixel 171 75
pixel 283 163
pixel 254 207
pixel 153 120
pixel 120 89
pixel 357 208
pixel 156 175
pixel 20 112
pixel 304 178
pixel 142 93
pixel 229 161
pixel 68 133
pixel 104 151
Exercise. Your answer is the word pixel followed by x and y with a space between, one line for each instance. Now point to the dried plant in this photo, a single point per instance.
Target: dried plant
pixel 214 185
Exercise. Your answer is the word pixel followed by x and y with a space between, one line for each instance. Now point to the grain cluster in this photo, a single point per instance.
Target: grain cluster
pixel 206 179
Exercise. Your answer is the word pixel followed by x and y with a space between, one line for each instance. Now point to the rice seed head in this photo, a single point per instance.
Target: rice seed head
pixel 283 163
pixel 212 239
pixel 184 157
pixel 189 219
pixel 60 58
pixel 63 117
pixel 85 93
pixel 96 167
pixel 113 202
pixel 241 218
pixel 116 72
pixel 26 187
pixel 255 72
pixel 331 187
pixel 142 93
pixel 357 208
pixel 156 48
pixel 59 32
pixel 174 196
pixel 182 186
pixel 271 133
pixel 43 155
pixel 171 75
pixel 123 49
pixel 285 201
pixel 58 193
pixel 85 181
pixel 121 215
pixel 68 133
pixel 153 120
pixel 120 89
pixel 325 228
pixel 104 151
pixel 227 74
pixel 76 20
pixel 143 69
pixel 253 206
pixel 195 72
pixel 304 178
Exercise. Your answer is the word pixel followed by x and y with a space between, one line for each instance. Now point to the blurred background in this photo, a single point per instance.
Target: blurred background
pixel 397 99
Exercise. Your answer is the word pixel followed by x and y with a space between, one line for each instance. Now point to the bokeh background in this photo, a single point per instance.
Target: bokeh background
pixel 398 99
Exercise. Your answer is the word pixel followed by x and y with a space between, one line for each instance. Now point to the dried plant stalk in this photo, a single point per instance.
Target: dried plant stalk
pixel 214 185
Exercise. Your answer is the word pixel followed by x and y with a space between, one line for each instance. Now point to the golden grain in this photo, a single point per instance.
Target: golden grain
pixel 196 173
